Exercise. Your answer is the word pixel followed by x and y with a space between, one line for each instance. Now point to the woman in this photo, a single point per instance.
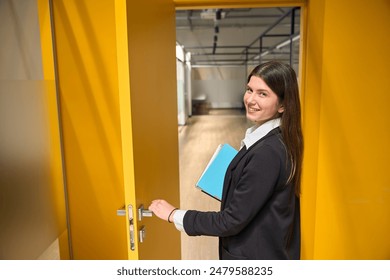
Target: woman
pixel 260 213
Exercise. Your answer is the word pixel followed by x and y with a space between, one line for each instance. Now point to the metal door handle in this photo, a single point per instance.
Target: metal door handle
pixel 143 213
pixel 121 212
pixel 142 234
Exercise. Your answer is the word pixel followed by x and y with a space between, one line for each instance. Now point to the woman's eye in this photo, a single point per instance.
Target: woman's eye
pixel 262 93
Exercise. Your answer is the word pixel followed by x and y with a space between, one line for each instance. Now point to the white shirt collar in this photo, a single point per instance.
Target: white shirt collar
pixel 255 133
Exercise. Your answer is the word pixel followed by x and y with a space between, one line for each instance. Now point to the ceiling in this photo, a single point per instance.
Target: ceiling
pixel 217 37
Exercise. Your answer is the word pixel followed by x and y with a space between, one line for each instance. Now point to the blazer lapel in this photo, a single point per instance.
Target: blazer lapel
pixel 237 158
pixel 228 174
pixel 235 162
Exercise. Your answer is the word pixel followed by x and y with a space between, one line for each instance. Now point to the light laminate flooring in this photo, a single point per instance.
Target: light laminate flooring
pixel 197 143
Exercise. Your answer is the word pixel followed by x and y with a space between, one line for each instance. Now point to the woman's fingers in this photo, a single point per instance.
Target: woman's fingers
pixel 161 208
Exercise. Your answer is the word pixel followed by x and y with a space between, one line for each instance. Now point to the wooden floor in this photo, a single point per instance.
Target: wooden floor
pixel 197 142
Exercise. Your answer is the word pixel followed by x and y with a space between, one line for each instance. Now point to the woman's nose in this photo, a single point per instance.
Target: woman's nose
pixel 250 98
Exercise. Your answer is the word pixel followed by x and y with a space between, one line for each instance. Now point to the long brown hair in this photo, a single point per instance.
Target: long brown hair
pixel 281 78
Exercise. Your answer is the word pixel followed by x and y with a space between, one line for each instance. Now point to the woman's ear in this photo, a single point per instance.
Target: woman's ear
pixel 281 109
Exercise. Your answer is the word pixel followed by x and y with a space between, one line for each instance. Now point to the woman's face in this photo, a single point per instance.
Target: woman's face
pixel 261 102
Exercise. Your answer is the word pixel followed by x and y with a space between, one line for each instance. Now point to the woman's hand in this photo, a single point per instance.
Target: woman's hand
pixel 162 209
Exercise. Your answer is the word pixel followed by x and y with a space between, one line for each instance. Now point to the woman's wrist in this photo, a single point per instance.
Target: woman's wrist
pixel 171 215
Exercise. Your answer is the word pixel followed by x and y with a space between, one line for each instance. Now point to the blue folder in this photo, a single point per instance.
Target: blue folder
pixel 211 180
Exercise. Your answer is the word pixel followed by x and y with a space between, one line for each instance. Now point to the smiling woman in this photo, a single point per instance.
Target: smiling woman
pixel 261 103
pixel 260 209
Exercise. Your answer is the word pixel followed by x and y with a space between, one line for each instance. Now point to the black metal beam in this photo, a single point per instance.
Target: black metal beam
pixel 246 50
pixel 272 26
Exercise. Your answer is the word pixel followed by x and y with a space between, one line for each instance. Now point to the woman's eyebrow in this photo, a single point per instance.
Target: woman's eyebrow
pixel 256 90
pixel 261 89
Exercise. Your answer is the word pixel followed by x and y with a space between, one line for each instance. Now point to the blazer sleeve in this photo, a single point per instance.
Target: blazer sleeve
pixel 254 187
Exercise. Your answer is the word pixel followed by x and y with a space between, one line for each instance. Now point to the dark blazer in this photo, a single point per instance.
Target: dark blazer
pixel 260 214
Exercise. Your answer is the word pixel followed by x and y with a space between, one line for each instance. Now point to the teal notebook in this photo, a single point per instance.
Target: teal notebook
pixel 211 180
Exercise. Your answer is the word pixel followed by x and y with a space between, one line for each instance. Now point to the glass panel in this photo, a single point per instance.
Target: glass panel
pixel 32 203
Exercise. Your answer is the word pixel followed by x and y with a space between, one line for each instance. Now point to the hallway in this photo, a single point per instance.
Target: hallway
pixel 197 142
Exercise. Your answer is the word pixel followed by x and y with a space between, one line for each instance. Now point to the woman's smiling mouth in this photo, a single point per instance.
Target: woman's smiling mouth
pixel 251 109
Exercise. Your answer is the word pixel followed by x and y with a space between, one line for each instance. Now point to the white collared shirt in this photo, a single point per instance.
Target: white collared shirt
pixel 252 135
pixel 255 133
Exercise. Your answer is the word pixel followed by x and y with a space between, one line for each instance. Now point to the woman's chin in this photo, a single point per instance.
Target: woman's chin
pixel 250 117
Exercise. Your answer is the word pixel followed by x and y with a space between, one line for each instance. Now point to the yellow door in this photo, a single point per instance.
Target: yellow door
pixel 146 54
pixel 115 64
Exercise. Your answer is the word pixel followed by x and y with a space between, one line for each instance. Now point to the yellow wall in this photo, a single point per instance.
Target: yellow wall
pixel 310 87
pixel 57 180
pixel 89 106
pixel 352 214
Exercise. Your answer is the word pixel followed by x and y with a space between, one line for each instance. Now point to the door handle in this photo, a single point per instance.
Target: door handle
pixel 143 213
pixel 121 211
pixel 142 234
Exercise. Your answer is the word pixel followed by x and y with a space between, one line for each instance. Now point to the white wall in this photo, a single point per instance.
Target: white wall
pixel 221 87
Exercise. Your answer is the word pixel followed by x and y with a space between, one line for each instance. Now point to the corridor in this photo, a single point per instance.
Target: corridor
pixel 197 143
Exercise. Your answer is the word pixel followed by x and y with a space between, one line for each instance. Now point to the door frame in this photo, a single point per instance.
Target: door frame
pixel 236 4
